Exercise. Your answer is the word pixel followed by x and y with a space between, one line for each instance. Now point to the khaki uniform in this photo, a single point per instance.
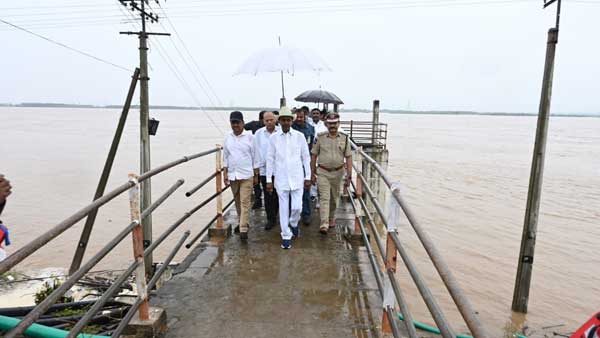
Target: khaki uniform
pixel 330 152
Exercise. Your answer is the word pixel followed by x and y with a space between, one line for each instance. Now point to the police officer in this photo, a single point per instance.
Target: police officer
pixel 329 155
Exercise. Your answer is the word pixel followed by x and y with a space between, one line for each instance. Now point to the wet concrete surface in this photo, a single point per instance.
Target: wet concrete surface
pixel 322 287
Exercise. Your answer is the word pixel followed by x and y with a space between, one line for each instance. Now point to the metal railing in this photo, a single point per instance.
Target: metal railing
pixel 389 287
pixel 135 229
pixel 366 133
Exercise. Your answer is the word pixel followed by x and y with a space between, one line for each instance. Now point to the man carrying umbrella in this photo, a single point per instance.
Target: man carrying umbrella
pixel 309 134
pixel 288 160
pixel 331 151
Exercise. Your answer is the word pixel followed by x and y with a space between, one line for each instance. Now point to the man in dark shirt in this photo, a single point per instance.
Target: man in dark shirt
pixel 253 126
pixel 309 134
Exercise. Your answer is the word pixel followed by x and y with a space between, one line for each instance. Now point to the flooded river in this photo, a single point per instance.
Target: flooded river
pixel 464 176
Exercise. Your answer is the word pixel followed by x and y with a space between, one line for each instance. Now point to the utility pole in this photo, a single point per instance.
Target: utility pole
pixel 139 6
pixel 525 267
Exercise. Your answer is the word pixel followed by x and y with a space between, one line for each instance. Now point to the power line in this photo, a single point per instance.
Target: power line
pixel 175 71
pixel 65 46
pixel 191 56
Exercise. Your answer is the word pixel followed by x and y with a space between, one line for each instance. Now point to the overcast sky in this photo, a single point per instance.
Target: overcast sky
pixel 486 55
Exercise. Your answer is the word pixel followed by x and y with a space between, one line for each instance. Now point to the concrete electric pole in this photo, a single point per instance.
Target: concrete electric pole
pixel 139 6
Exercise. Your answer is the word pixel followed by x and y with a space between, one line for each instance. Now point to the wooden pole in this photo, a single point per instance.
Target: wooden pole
pixel 219 185
pixel 525 267
pixel 138 247
pixel 89 222
pixel 146 197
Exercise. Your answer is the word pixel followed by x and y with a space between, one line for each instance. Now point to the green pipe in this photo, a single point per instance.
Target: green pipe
pixel 40 331
pixel 435 330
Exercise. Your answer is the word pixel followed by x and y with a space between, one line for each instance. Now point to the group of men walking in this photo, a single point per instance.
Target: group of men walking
pixel 291 158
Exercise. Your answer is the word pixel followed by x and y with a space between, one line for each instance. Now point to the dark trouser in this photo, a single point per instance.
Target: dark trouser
pixel 271 201
pixel 306 204
pixel 257 194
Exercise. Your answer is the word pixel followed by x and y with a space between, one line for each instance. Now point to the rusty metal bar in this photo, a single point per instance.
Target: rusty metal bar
pixel 138 247
pixel 197 237
pixel 58 229
pixel 151 284
pixel 170 165
pixel 163 198
pixel 372 258
pixel 461 301
pixel 91 218
pixel 432 305
pixel 60 291
pixel 219 185
pixel 408 318
pixel 180 221
pixel 390 312
pixel 199 186
pixel 394 283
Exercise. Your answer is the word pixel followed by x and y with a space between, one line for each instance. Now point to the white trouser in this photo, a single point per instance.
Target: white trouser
pixel 286 217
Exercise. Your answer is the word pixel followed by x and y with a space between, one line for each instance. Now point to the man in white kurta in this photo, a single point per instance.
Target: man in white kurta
pixel 288 161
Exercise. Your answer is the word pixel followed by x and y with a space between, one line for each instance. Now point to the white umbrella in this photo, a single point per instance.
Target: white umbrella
pixel 282 59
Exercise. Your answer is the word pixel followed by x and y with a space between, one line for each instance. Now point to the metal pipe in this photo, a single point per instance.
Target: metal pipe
pixel 372 259
pixel 91 218
pixel 170 165
pixel 60 291
pixel 408 318
pixel 180 221
pixel 116 285
pixel 461 301
pixel 391 314
pixel 58 229
pixel 197 237
pixel 371 223
pixel 395 286
pixel 163 198
pixel 426 294
pixel 127 318
pixel 199 186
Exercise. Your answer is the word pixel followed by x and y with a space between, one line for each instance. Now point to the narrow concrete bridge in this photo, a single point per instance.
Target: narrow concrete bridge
pixel 322 287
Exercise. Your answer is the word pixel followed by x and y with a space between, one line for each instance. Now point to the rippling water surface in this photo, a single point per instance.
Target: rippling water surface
pixel 464 176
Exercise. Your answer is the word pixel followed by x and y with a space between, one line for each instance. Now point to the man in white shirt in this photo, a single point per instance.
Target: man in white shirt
pixel 261 148
pixel 317 121
pixel 240 168
pixel 288 160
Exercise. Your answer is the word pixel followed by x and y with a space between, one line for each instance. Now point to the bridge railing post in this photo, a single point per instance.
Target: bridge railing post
pixel 138 247
pixel 219 185
pixel 390 261
pixel 358 191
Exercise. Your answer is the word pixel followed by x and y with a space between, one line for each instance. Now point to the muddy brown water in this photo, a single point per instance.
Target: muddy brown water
pixel 464 176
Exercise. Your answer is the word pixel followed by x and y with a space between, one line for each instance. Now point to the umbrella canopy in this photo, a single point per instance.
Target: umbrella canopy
pixel 282 59
pixel 319 96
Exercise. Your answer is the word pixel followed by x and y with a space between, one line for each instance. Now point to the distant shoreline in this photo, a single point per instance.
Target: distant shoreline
pixel 351 110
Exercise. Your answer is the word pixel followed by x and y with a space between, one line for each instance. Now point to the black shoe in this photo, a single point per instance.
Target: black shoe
pixel 295 232
pixel 306 220
pixel 244 236
pixel 269 226
pixel 236 229
pixel 256 206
